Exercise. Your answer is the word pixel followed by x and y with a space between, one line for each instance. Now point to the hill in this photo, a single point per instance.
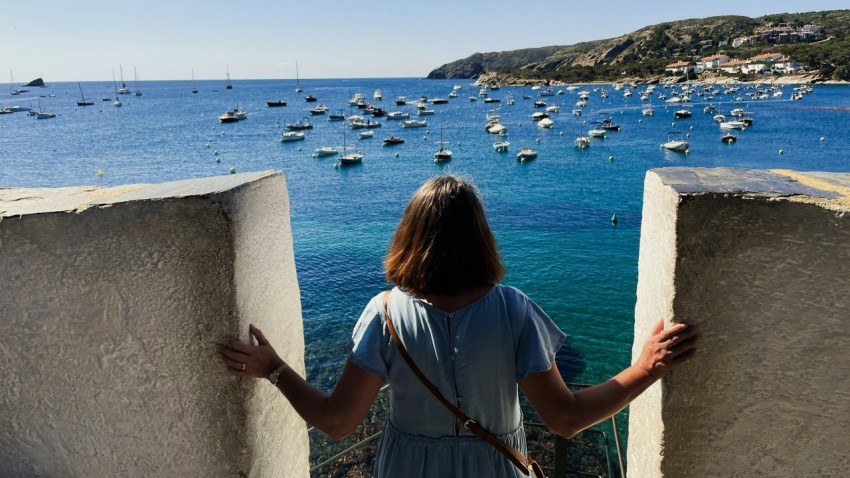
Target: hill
pixel 644 53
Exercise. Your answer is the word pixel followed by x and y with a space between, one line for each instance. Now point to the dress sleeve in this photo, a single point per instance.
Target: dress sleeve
pixel 538 342
pixel 368 343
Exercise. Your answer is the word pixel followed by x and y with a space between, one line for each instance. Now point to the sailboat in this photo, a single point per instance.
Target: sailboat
pixel 297 83
pixel 15 91
pixel 443 155
pixel 194 90
pixel 123 90
pixel 83 101
pixel 227 84
pixel 349 159
pixel 117 102
pixel 138 91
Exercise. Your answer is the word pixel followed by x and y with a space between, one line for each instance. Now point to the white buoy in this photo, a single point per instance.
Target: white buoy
pixel 538 140
pixel 822 139
pixel 688 135
pixel 640 121
pixel 218 160
pixel 692 128
pixel 562 133
pixel 781 152
pixel 215 153
pixel 232 170
pixel 299 148
pixel 610 158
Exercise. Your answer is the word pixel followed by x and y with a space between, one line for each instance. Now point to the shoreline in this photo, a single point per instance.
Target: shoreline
pixel 798 79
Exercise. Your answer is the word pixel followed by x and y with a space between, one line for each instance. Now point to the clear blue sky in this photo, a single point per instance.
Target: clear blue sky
pixel 64 40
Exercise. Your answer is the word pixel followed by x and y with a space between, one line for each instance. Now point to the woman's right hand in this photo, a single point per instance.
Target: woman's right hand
pixel 667 349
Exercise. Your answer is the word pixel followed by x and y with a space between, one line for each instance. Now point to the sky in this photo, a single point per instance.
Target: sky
pixel 88 40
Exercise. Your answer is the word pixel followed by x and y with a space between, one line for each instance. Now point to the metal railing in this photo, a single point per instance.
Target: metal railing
pixel 556 461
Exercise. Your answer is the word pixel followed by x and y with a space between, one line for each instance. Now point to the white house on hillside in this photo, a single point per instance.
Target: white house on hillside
pixel 713 62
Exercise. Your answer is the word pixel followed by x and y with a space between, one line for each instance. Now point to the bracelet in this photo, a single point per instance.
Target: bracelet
pixel 275 375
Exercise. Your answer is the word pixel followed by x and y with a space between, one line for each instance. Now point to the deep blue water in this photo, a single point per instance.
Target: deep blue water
pixel 551 216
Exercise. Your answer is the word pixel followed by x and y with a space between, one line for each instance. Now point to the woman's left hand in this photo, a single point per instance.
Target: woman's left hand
pixel 246 360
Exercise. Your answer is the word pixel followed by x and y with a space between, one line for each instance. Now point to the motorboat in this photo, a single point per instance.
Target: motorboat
pixel 739 125
pixel 453 94
pixel 675 142
pixel 539 104
pixel 501 146
pixel 310 99
pixel 240 114
pixel 424 112
pixel 552 109
pixel 377 95
pixel 228 117
pixel 412 123
pixel 728 138
pixel 299 125
pixel 495 127
pixel 597 132
pixel 719 118
pixel 439 101
pixel 393 140
pixel 43 114
pixel 647 111
pixel 288 136
pixel 492 100
pixel 338 116
pixel 400 100
pixel 546 92
pixel 472 98
pixel 576 111
pixel 526 154
pixel 325 151
pixel 376 112
pixel 365 134
pixel 537 116
pixel 582 142
pixel 739 112
pixel 397 115
pixel 545 123
pixel 709 109
pixel 680 114
pixel 275 104
pixel 608 124
pixel 319 110
pixel 350 159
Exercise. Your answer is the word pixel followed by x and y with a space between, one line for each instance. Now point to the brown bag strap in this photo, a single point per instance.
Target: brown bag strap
pixel 526 466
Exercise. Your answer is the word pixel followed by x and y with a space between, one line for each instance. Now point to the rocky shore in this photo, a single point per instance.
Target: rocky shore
pixel 492 78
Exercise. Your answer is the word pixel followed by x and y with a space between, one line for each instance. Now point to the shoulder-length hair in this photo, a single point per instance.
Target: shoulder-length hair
pixel 443 243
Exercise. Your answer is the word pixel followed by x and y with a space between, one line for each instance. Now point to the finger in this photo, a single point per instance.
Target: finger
pixel 658 327
pixel 261 339
pixel 237 373
pixel 233 354
pixel 680 359
pixel 672 332
pixel 232 364
pixel 238 346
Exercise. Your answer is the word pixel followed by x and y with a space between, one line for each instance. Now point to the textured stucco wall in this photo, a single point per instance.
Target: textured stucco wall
pixel 759 261
pixel 112 301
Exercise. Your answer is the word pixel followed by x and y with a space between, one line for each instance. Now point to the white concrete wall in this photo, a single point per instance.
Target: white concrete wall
pixel 112 301
pixel 759 261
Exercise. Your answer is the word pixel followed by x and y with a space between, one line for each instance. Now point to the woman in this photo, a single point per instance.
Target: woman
pixel 476 340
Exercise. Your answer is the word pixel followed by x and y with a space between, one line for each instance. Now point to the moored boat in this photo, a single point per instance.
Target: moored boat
pixel 393 140
pixel 288 136
pixel 275 104
pixel 675 142
pixel 501 146
pixel 526 154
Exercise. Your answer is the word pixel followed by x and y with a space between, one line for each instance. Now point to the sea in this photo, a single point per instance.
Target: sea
pixel 552 216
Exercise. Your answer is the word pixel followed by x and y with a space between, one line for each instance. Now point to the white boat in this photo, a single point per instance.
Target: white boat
pixel 526 154
pixel 350 158
pixel 582 142
pixel 472 98
pixel 453 94
pixel 546 92
pixel 739 112
pixel 299 125
pixel 719 118
pixel 576 111
pixel 123 90
pixel 648 111
pixel 456 87
pixel 443 155
pixel 545 123
pixel 377 95
pixel 501 146
pixel 495 127
pixel 597 133
pixel 297 82
pixel 538 115
pixel 740 125
pixel 366 134
pixel 288 136
pixel 325 151
pixel 424 112
pixel 552 108
pixel 412 123
pixel 675 142
pixel 397 115
pixel 319 110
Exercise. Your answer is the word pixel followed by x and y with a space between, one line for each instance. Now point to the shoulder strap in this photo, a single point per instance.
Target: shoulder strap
pixel 524 464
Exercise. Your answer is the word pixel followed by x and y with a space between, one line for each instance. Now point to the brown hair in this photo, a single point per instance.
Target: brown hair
pixel 443 243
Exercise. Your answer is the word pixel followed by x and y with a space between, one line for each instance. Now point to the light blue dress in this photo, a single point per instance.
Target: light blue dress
pixel 475 356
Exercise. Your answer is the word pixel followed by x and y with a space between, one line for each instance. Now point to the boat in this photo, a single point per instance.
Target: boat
pixel 424 112
pixel 739 125
pixel 319 110
pixel 608 124
pixel 719 118
pixel 228 117
pixel 83 101
pixel 351 158
pixel 582 142
pixel 194 90
pixel 526 154
pixel 552 109
pixel 117 102
pixel 453 94
pixel 597 132
pixel 123 90
pixel 288 136
pixel 338 116
pixel 546 92
pixel 443 155
pixel 492 100
pixel 648 111
pixel 439 101
pixel 728 138
pixel 299 125
pixel 501 146
pixel 239 113
pixel 472 98
pixel 227 83
pixel 397 115
pixel 376 112
pixel 709 109
pixel 539 104
pixel 275 104
pixel 576 111
pixel 310 99
pixel 366 134
pixel 400 100
pixel 44 115
pixel 15 91
pixel 359 123
pixel 675 142
pixel 739 112
pixel 324 151
pixel 393 140
pixel 297 82
pixel 456 87
pixel 377 95
pixel 138 91
pixel 412 123
pixel 496 127
pixel 681 114
pixel 545 123
pixel 537 116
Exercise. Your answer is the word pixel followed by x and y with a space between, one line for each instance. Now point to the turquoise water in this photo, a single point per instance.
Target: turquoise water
pixel 551 216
